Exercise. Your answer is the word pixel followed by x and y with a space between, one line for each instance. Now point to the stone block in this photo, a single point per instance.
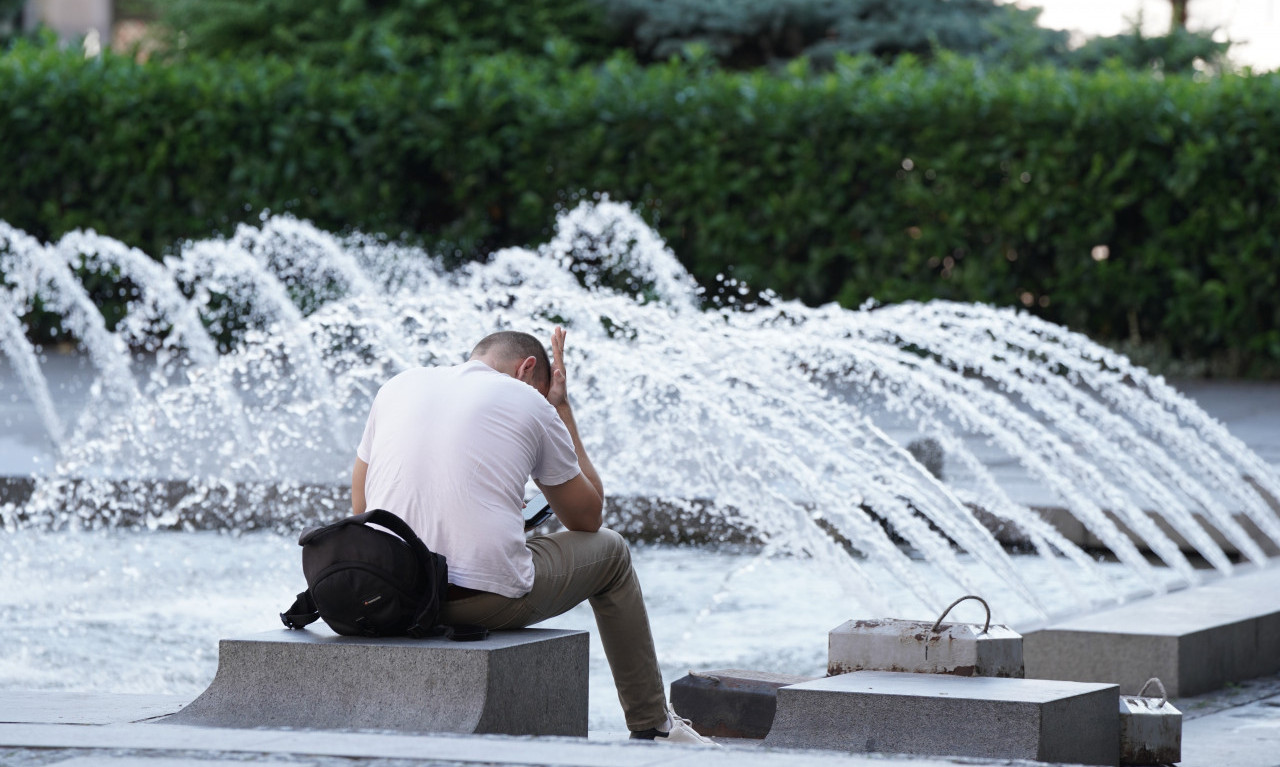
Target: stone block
pixel 961 649
pixel 730 703
pixel 1195 640
pixel 525 682
pixel 1150 731
pixel 928 451
pixel 939 714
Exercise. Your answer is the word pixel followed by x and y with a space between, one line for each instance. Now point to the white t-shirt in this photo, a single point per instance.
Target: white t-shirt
pixel 450 449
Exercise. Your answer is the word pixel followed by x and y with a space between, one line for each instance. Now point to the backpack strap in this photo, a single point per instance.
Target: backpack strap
pixel 301 613
pixel 433 601
pixel 466 632
pixel 423 626
pixel 395 524
pixel 376 517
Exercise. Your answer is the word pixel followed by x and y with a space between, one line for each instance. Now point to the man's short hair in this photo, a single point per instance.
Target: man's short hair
pixel 513 345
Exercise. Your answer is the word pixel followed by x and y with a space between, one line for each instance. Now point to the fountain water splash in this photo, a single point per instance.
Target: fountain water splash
pixel 22 355
pixel 1169 418
pixel 33 270
pixel 784 420
pixel 1147 468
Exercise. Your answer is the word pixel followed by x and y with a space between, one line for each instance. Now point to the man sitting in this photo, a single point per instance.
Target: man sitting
pixel 449 449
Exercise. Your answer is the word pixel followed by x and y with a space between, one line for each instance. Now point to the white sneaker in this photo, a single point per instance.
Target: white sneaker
pixel 676 730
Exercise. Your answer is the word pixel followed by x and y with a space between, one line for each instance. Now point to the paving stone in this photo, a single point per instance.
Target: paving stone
pixel 940 714
pixel 59 707
pixel 1246 736
pixel 525 682
pixel 1195 640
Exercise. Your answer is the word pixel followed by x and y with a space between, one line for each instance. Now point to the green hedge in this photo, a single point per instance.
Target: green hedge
pixel 903 183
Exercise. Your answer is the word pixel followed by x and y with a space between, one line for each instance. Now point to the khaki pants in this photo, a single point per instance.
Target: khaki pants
pixel 569 567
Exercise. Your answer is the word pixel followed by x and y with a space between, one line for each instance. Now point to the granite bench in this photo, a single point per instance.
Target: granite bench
pixel 524 682
pixel 939 714
pixel 1195 640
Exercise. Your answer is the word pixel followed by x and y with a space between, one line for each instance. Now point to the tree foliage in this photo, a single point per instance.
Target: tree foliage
pixel 1178 51
pixel 739 34
pixel 749 33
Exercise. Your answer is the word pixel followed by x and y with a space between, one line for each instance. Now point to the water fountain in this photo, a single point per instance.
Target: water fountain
pixel 231 395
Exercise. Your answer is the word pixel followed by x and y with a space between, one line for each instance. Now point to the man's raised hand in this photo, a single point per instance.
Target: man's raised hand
pixel 557 395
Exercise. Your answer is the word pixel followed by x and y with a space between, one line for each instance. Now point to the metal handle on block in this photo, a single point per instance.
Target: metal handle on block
pixel 984 604
pixel 1164 696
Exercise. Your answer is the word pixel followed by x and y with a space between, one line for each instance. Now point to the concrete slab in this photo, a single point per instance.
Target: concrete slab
pixel 77 708
pixel 525 682
pixel 939 714
pixel 1194 640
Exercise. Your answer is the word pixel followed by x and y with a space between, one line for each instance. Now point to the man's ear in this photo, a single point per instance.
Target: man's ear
pixel 524 371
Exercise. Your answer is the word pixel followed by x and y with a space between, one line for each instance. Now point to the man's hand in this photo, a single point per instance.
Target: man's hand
pixel 572 495
pixel 557 394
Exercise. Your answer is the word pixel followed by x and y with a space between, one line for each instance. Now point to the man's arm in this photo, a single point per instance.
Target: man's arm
pixel 584 463
pixel 578 503
pixel 357 486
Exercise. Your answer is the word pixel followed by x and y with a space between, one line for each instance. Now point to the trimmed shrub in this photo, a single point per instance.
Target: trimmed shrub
pixel 1126 205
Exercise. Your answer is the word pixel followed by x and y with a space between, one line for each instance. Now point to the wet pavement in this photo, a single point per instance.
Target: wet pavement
pixel 127 740
pixel 1235 727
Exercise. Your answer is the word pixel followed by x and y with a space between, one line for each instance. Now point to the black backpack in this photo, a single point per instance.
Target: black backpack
pixel 367 582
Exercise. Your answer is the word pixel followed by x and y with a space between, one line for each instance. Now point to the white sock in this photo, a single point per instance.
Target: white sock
pixel 666 727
